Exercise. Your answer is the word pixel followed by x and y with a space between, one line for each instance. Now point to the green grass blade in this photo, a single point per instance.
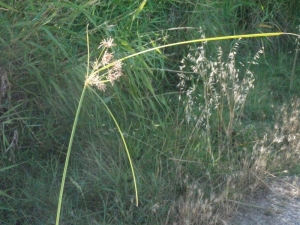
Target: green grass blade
pixel 52 38
pixel 4 194
pixel 138 11
pixel 9 167
pixel 6 7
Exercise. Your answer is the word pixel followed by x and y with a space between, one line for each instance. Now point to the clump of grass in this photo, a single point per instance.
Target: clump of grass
pixel 218 191
pixel 284 140
pixel 10 144
pixel 4 87
pixel 44 55
pixel 214 94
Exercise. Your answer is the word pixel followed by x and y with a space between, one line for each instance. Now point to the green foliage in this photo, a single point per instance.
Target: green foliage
pixel 43 68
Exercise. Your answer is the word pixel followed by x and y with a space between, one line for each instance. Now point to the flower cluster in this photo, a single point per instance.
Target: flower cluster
pixel 114 72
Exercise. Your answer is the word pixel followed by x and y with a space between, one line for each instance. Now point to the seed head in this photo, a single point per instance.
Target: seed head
pixel 107 57
pixel 107 43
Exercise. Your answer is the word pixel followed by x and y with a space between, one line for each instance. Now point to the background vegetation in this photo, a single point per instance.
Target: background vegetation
pixel 201 137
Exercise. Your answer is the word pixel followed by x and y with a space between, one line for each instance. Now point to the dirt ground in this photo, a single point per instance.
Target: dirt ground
pixel 280 205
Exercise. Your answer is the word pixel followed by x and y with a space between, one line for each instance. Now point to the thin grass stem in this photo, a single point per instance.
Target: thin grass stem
pixel 125 145
pixel 196 41
pixel 63 180
pixel 61 192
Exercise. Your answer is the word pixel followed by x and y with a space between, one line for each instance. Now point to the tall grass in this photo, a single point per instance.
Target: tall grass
pixel 103 62
pixel 45 58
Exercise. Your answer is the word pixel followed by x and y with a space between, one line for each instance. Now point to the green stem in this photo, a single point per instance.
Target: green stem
pixel 126 148
pixel 197 41
pixel 61 192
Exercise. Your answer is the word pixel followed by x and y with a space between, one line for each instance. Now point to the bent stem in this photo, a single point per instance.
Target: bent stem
pixel 126 148
pixel 198 41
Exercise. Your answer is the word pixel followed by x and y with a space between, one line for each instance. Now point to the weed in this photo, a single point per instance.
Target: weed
pixel 217 89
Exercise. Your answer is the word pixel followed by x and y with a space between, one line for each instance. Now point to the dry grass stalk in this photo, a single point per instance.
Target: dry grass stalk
pixel 215 88
pixel 13 147
pixel 295 59
pixel 4 86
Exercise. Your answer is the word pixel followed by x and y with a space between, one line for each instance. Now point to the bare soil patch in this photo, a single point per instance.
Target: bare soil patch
pixel 278 205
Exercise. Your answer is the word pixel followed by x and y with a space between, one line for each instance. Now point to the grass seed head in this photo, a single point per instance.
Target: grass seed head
pixel 113 73
pixel 107 43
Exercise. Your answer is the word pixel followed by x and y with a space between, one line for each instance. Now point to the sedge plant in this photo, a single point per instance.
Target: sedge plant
pixel 104 71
